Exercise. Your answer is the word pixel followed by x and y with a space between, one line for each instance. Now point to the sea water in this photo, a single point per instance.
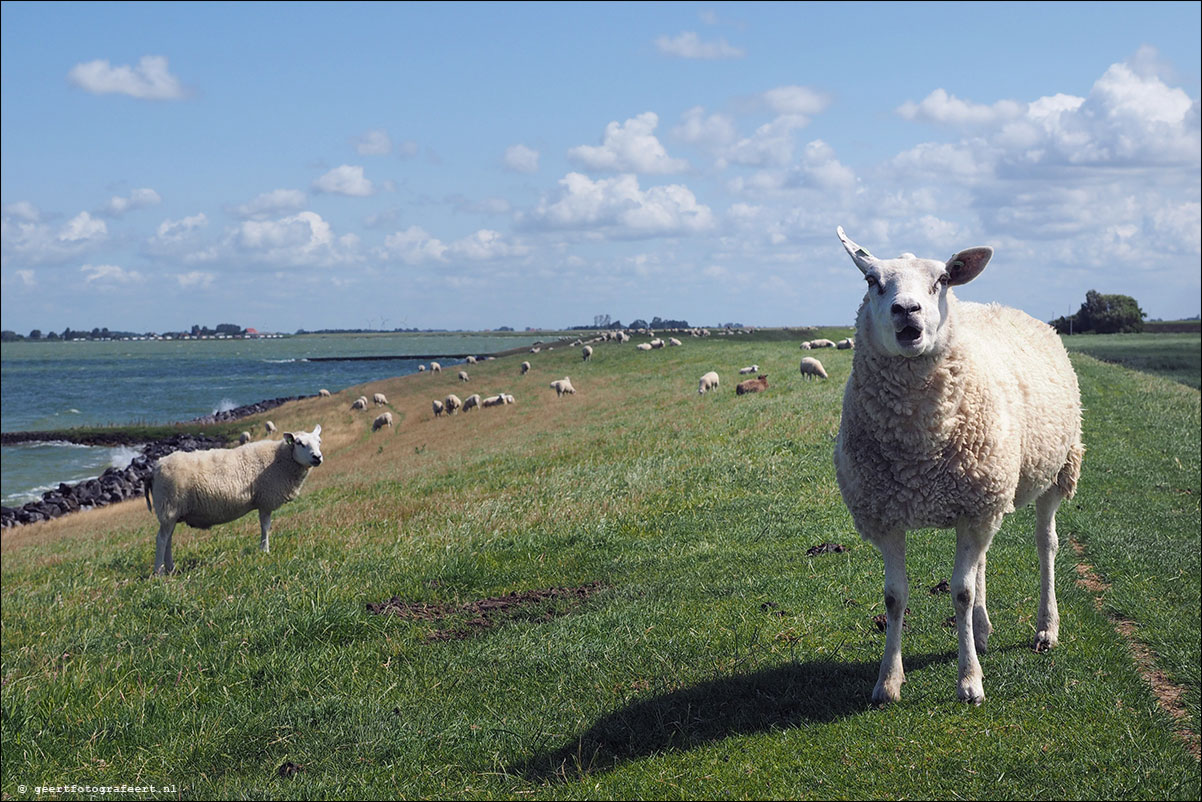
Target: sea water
pixel 60 385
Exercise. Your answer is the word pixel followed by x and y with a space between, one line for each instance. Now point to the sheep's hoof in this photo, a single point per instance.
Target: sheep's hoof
pixel 971 691
pixel 1045 641
pixel 886 693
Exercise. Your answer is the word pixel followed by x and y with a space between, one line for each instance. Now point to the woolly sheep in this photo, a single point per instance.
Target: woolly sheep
pixel 323 392
pixel 471 402
pixel 525 368
pixel 644 346
pixel 756 385
pixel 471 360
pixel 708 382
pixel 586 353
pixel 812 367
pixel 673 341
pixel 493 401
pixel 421 368
pixel 360 403
pixel 749 369
pixel 955 414
pixel 452 404
pixel 846 344
pixel 463 376
pixel 562 386
pixel 657 343
pixel 822 343
pixel 435 367
pixel 381 421
pixel 379 400
pixel 269 427
pixel 438 407
pixel 206 488
pixel 244 438
pixel 509 399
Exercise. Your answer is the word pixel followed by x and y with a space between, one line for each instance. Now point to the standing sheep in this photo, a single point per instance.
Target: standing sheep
pixel 812 367
pixel 269 427
pixel 586 353
pixel 562 386
pixel 435 367
pixel 463 376
pixel 955 414
pixel 244 438
pixel 452 404
pixel 421 368
pixel 471 402
pixel 381 421
pixel 379 400
pixel 471 360
pixel 708 382
pixel 438 407
pixel 206 488
pixel 525 368
pixel 359 403
pixel 323 392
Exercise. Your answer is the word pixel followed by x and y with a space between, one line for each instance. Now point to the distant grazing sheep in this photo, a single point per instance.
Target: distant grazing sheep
pixel 955 414
pixel 471 402
pixel 656 343
pixel 323 392
pixel 525 368
pixel 471 360
pixel 812 367
pixel 674 341
pixel 244 438
pixel 381 421
pixel 435 367
pixel 493 401
pixel 452 404
pixel 708 382
pixel 845 344
pixel 438 407
pixel 756 385
pixel 379 400
pixel 463 376
pixel 421 368
pixel 360 403
pixel 586 352
pixel 749 369
pixel 562 386
pixel 206 488
pixel 269 427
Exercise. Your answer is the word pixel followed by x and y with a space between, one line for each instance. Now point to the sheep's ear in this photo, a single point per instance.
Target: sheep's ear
pixel 967 265
pixel 863 259
pixel 289 438
pixel 317 429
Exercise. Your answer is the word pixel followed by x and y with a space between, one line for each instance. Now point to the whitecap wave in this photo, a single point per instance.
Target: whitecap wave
pixel 122 456
pixel 226 405
pixel 278 361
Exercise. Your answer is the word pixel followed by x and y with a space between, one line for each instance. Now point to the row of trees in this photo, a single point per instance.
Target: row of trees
pixel 1103 314
pixel 103 333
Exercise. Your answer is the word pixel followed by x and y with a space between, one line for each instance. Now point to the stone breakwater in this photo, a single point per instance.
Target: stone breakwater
pixel 115 484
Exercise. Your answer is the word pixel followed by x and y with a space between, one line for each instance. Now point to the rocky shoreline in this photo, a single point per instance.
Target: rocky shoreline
pixel 116 484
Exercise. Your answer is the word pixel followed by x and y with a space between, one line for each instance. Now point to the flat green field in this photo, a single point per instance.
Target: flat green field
pixel 609 596
pixel 1174 356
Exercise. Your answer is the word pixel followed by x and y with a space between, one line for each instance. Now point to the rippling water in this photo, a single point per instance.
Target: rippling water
pixel 58 385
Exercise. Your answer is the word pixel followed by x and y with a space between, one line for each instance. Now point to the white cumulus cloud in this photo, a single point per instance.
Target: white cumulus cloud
pixel 150 80
pixel 629 147
pixel 345 179
pixel 689 45
pixel 414 246
pixel 618 207
pixel 83 227
pixel 137 199
pixel 277 201
pixel 521 159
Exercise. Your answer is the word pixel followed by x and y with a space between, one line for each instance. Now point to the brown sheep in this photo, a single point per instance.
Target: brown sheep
pixel 756 385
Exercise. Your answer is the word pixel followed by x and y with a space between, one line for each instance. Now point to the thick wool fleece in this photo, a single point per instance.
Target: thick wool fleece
pixel 205 488
pixel 980 427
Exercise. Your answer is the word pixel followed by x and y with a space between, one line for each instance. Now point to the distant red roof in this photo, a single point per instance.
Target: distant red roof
pixel 251 331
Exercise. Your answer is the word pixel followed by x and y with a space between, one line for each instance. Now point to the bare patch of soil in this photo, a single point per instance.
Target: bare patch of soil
pixel 482 615
pixel 826 548
pixel 1169 695
pixel 943 587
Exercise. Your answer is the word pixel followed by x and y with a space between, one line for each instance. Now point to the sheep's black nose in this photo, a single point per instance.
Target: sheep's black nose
pixel 899 309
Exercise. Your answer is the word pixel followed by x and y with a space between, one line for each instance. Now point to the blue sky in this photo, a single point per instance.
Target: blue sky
pixel 290 166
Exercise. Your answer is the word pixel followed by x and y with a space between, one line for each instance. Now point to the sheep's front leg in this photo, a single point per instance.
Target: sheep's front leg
pixel 265 530
pixel 1047 633
pixel 162 548
pixel 981 628
pixel 897 594
pixel 971 544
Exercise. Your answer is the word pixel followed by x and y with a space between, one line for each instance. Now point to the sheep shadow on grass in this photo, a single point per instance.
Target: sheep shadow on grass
pixel 814 692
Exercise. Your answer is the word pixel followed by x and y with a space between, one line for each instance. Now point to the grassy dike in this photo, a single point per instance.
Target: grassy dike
pixel 698 652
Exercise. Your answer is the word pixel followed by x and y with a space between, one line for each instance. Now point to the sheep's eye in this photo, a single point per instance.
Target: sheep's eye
pixel 941 282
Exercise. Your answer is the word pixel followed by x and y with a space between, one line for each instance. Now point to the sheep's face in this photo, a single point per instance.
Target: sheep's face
pixel 306 446
pixel 905 308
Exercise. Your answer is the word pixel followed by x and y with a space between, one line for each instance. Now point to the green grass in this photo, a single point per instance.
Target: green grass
pixel 1174 356
pixel 716 660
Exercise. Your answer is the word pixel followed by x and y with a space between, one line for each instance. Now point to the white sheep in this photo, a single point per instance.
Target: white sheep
pixel 381 421
pixel 421 368
pixel 323 392
pixel 438 407
pixel 379 400
pixel 471 360
pixel 586 352
pixel 955 414
pixel 360 403
pixel 508 399
pixel 674 341
pixel 269 427
pixel 244 438
pixel 657 343
pixel 525 368
pixel 822 343
pixel 749 369
pixel 206 488
pixel 471 402
pixel 562 386
pixel 435 367
pixel 846 344
pixel 493 401
pixel 463 376
pixel 451 404
pixel 812 367
pixel 644 346
pixel 708 382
